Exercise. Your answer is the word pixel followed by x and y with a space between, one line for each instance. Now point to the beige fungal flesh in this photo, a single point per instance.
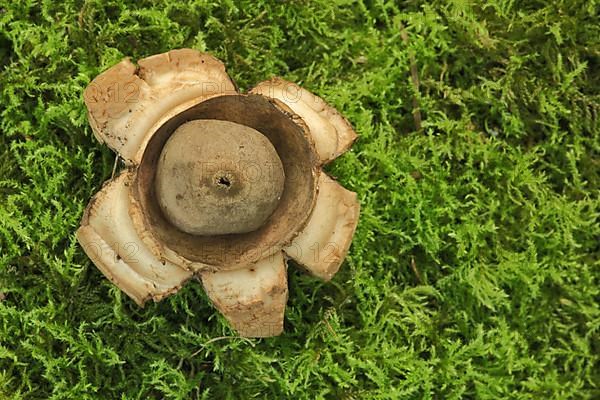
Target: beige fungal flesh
pixel 252 298
pixel 323 243
pixel 110 240
pixel 125 102
pixel 331 133
pixel 219 185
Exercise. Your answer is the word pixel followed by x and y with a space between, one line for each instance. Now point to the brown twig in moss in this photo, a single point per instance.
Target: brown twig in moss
pixel 413 266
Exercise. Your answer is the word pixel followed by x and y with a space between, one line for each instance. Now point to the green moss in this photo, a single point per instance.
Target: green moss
pixel 474 272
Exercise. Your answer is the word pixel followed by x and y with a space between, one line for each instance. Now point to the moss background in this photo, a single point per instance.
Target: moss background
pixel 474 272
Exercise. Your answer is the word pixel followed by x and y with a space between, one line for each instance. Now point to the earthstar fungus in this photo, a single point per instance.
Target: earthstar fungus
pixel 219 185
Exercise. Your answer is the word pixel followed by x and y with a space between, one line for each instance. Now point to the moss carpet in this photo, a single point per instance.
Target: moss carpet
pixel 474 272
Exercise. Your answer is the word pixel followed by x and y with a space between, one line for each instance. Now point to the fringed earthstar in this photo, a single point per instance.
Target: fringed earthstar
pixel 218 185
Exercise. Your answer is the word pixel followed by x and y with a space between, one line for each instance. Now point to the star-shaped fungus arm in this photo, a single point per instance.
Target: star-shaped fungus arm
pixel 323 243
pixel 109 238
pixel 330 131
pixel 126 102
pixel 252 298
